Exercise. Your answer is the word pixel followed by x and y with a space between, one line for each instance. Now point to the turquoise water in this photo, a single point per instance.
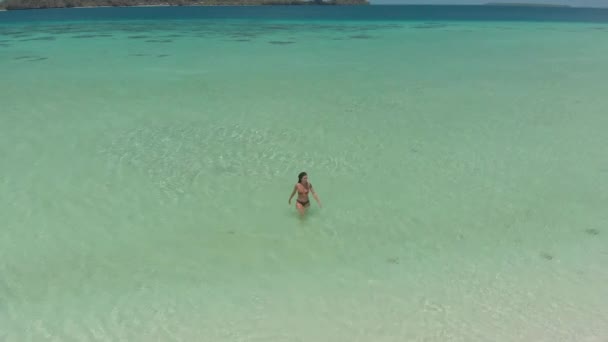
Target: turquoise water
pixel 147 166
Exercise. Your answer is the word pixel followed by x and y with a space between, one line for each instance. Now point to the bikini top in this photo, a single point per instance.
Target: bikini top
pixel 306 190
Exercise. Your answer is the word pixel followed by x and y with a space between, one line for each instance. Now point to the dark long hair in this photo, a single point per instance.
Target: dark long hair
pixel 300 176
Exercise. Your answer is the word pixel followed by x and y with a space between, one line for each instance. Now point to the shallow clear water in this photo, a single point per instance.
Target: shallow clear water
pixel 147 167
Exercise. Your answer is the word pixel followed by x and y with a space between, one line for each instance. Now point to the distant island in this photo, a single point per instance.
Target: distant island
pixel 524 4
pixel 40 4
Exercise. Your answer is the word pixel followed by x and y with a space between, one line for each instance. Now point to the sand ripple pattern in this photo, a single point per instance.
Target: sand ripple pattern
pixel 176 157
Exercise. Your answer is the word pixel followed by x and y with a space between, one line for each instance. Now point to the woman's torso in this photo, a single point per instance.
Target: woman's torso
pixel 303 191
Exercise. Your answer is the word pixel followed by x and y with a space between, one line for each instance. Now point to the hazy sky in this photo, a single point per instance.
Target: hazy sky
pixel 582 3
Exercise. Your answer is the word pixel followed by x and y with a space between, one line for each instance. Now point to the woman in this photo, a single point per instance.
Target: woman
pixel 302 187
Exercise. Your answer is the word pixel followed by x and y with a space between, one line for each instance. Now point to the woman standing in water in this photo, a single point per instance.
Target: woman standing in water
pixel 302 187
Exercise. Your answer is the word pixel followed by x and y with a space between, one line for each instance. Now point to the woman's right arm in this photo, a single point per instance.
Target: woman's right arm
pixel 295 188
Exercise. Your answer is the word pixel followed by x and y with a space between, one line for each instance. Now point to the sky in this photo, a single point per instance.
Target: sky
pixel 578 3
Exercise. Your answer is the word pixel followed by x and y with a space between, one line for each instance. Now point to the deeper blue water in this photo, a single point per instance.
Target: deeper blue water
pixel 374 12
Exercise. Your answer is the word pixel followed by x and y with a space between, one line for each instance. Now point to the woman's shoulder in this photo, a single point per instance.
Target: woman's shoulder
pixel 302 186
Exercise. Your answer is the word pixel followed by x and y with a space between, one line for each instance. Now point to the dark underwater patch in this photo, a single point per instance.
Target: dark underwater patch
pixel 242 35
pixel 393 260
pixel 546 256
pixel 30 58
pixel 85 36
pixel 280 42
pixel 427 26
pixel 38 38
pixel 18 34
pixel 276 28
pixel 592 231
pixel 360 36
pixel 159 41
